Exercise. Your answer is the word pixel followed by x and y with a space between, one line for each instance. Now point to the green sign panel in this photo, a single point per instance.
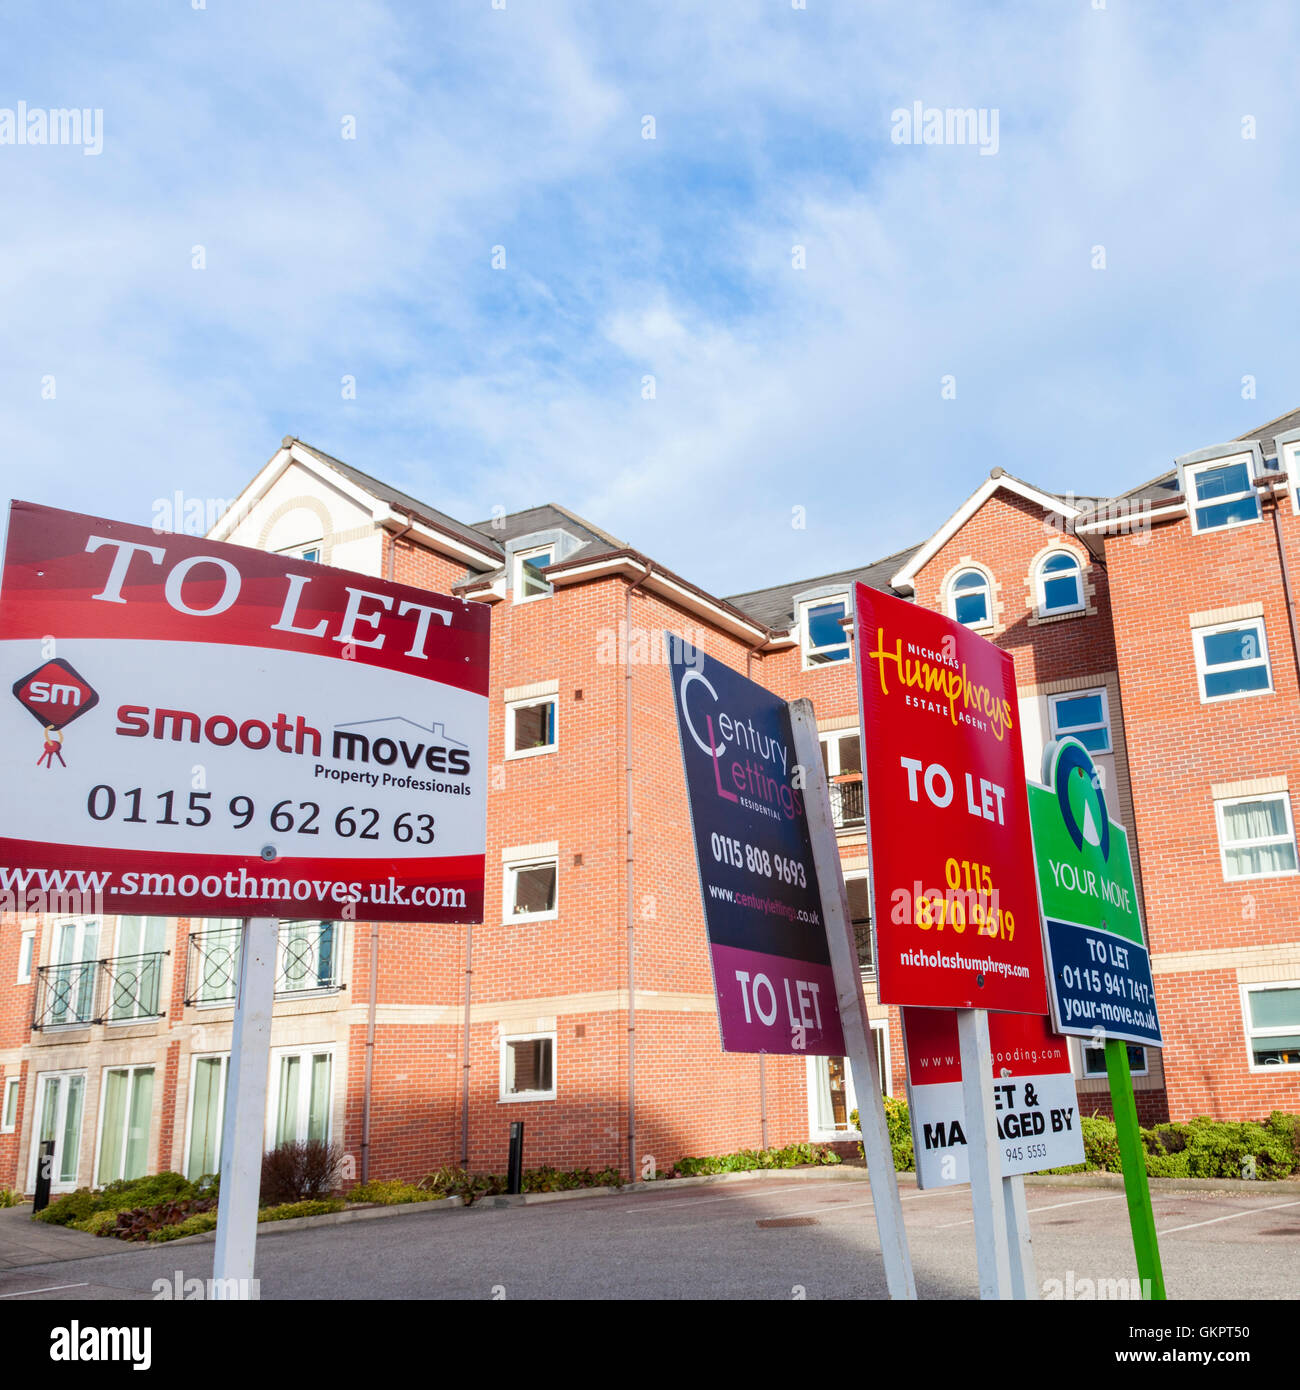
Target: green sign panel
pixel 1085 874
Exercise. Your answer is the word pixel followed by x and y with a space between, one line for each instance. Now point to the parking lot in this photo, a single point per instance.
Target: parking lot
pixel 773 1237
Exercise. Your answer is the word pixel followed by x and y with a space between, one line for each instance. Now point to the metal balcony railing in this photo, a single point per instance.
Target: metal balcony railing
pixel 119 989
pixel 306 962
pixel 846 804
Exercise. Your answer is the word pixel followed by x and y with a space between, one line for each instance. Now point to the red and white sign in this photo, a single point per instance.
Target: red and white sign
pixel 207 730
pixel 1036 1107
pixel 952 862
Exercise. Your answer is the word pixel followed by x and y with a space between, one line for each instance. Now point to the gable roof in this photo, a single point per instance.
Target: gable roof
pixel 550 516
pixel 774 607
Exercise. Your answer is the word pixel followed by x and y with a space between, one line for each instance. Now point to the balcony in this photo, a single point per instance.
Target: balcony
pixel 846 804
pixel 306 962
pixel 122 989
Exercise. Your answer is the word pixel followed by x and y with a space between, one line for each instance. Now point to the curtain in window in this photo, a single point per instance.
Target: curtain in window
pixel 205 1118
pixel 136 1160
pixel 72 1128
pixel 286 1119
pixel 1258 820
pixel 318 1112
pixel 113 1109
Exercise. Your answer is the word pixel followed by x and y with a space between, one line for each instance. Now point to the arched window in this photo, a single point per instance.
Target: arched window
pixel 1060 583
pixel 969 600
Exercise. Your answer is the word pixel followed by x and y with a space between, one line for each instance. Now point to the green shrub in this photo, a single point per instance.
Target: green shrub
pixel 449 1181
pixel 100 1223
pixel 1100 1143
pixel 192 1226
pixel 751 1160
pixel 1236 1149
pixel 10 1198
pixel 899 1125
pixel 72 1206
pixel 150 1191
pixel 286 1211
pixel 1287 1128
pixel 392 1192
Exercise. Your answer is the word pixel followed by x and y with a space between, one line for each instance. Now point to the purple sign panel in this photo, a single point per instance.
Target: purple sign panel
pixel 762 904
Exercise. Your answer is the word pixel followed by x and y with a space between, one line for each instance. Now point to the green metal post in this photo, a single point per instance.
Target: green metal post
pixel 1133 1160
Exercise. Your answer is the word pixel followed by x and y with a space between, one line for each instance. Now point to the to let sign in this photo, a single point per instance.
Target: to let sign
pixel 206 730
pixel 762 905
pixel 955 902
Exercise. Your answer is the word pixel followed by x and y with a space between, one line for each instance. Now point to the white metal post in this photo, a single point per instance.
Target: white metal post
pixel 1024 1279
pixel 860 1049
pixel 991 1246
pixel 244 1124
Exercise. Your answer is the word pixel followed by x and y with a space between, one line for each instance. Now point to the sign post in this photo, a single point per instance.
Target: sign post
pixel 954 900
pixel 1100 969
pixel 859 1048
pixel 225 732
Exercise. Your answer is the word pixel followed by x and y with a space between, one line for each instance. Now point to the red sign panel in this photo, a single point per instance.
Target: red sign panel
pixel 207 730
pixel 955 910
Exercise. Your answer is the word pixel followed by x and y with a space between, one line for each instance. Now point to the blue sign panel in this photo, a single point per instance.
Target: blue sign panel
pixel 1101 983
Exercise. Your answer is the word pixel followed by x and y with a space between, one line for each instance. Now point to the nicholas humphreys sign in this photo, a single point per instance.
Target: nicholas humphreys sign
pixel 762 903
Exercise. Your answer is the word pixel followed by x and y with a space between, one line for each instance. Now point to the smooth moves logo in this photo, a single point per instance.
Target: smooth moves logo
pixel 941 674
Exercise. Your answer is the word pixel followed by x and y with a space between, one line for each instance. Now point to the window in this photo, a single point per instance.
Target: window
pixel 26 953
pixel 1272 1024
pixel 530 890
pixel 299 1103
pixel 842 753
pixel 1256 836
pixel 9 1107
pixel 124 1111
pixel 1232 660
pixel 860 916
pixel 1060 583
pixel 969 600
pixel 832 1098
pixel 61 1095
pixel 1084 715
pixel 530 727
pixel 528 1067
pixel 1221 495
pixel 530 583
pixel 1094 1059
pixel 306 957
pixel 824 637
pixel 312 553
pixel 214 961
pixel 207 1112
pixel 135 974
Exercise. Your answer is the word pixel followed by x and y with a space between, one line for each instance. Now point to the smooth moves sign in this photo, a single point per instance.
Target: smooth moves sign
pixel 1099 967
pixel 1036 1107
pixel 762 903
pixel 192 728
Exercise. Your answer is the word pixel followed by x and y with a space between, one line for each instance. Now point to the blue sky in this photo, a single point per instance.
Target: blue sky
pixel 775 387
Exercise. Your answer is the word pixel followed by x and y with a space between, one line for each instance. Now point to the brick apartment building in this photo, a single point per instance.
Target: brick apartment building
pixel 583 1003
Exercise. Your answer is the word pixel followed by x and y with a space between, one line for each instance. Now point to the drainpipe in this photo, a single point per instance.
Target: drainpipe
pixel 1267 488
pixel 762 1056
pixel 631 899
pixel 374 957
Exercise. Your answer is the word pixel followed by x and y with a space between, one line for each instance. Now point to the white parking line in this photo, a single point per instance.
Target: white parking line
pixel 844 1206
pixel 53 1287
pixel 1054 1206
pixel 1231 1216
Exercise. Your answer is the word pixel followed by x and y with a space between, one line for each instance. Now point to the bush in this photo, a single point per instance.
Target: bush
pixel 1287 1128
pixel 449 1181
pixel 392 1192
pixel 139 1223
pixel 286 1211
pixel 99 1224
pixel 10 1198
pixel 72 1206
pixel 194 1225
pixel 147 1192
pixel 751 1160
pixel 298 1172
pixel 1228 1149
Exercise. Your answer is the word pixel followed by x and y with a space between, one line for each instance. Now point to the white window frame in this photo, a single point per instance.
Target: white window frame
pixel 517 575
pixel 816 1133
pixel 951 605
pixel 523 1096
pixel 1087 1075
pixel 195 1059
pixel 831 738
pixel 133 1068
pixel 1225 845
pixel 1202 669
pixel 1193 470
pixel 1249 1030
pixel 11 1086
pixel 26 955
pixel 857 875
pixel 58 1184
pixel 509 868
pixel 1057 732
pixel 807 650
pixel 513 707
pixel 1040 583
pixel 304 1053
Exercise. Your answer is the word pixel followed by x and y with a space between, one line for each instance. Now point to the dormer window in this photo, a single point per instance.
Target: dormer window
pixel 529 581
pixel 824 636
pixel 1060 583
pixel 1220 494
pixel 969 600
